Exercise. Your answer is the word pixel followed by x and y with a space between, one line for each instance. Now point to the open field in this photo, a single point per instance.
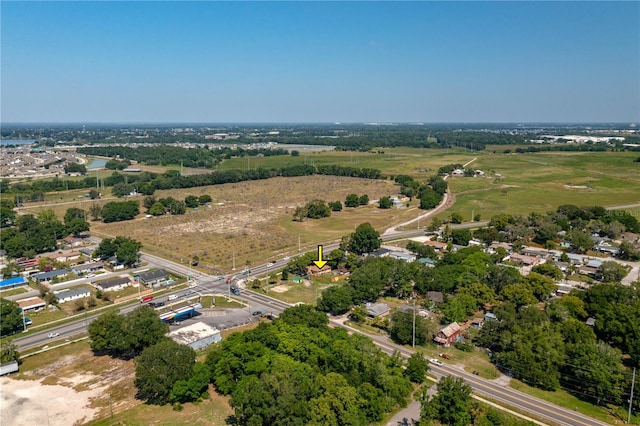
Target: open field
pixel 415 162
pixel 252 220
pixel 541 182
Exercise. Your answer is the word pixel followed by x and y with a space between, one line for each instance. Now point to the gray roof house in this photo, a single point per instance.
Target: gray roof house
pixel 381 252
pixel 435 296
pixel 72 294
pixel 48 276
pixel 87 267
pixel 113 284
pixel 407 257
pixel 377 309
pixel 152 277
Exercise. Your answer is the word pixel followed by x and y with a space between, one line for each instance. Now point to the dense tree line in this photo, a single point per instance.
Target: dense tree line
pixel 38 234
pixel 554 348
pixel 126 336
pixel 147 183
pixel 115 211
pixel 579 223
pixel 125 249
pixel 10 317
pixel 298 370
pixel 164 155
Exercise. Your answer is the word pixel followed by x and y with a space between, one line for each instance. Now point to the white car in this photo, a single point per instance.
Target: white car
pixel 435 361
pixel 270 264
pixel 52 335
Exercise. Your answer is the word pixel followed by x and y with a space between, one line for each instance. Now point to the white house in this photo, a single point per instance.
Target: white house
pixel 71 294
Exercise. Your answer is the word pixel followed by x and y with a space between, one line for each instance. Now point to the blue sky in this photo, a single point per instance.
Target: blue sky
pixel 219 62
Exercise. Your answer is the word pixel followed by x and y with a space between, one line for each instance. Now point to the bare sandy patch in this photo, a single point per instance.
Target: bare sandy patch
pixel 280 288
pixel 29 402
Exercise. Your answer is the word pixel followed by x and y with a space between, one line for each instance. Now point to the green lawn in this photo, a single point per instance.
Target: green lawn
pixel 219 302
pixel 540 182
pixel 13 291
pixel 564 399
pixel 292 292
pixel 418 162
pixel 214 411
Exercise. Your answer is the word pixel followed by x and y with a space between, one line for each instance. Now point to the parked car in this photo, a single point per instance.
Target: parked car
pixel 52 335
pixel 435 361
pixel 257 313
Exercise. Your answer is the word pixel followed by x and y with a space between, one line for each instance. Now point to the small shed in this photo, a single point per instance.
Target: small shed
pixel 9 367
pixel 490 316
pixel 477 322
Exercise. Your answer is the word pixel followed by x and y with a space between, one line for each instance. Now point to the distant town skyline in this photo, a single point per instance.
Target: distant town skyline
pixel 320 62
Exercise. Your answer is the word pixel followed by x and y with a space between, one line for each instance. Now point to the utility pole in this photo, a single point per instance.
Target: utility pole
pixel 633 380
pixel 414 323
pixel 299 246
pixel 234 261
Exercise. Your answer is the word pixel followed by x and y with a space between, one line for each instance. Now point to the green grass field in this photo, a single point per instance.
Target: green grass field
pixel 564 399
pixel 541 182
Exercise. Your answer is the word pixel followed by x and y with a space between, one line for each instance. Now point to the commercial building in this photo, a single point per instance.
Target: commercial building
pixel 196 336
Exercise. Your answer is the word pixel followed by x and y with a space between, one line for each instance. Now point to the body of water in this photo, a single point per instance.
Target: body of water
pixel 5 142
pixel 97 164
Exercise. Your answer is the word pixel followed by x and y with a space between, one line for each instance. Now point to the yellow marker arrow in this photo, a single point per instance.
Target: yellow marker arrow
pixel 320 263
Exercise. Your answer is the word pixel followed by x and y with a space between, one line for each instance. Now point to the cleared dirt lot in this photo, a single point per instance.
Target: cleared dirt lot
pixel 253 219
pixel 66 386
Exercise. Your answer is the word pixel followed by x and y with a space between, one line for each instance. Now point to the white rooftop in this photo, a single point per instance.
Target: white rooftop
pixel 193 333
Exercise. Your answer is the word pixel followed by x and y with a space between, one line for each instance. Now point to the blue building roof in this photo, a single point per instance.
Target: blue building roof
pixel 12 281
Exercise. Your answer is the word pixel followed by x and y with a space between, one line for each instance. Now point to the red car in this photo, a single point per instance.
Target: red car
pixel 146 299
